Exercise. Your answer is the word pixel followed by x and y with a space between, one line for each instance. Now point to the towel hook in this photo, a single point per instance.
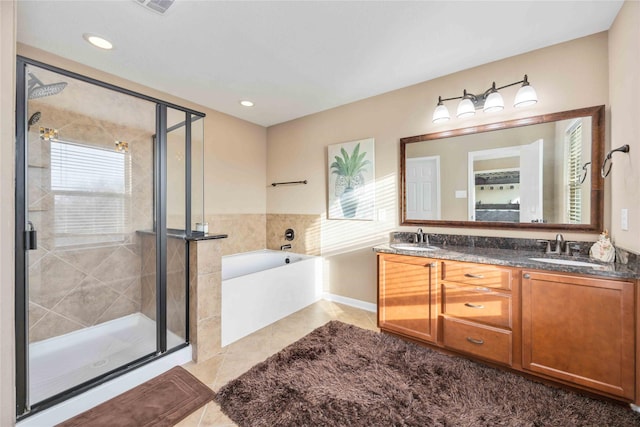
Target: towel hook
pixel 623 149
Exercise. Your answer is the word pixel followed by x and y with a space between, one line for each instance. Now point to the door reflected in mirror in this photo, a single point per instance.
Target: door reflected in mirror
pixel 527 173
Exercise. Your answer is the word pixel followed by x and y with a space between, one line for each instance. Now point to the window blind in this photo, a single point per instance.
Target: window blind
pixel 89 190
pixel 574 195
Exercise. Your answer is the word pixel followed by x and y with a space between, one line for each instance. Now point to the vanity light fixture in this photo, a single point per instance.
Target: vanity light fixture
pixel 98 41
pixel 246 103
pixel 490 101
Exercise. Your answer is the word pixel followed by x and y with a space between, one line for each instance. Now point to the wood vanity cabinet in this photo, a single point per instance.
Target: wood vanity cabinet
pixel 574 329
pixel 477 310
pixel 407 296
pixel 580 330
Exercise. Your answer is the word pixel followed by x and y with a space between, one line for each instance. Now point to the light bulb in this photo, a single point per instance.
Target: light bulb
pixel 493 103
pixel 441 114
pixel 526 96
pixel 465 109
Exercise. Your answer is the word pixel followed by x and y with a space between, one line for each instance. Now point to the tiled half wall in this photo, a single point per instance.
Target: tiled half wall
pixel 251 232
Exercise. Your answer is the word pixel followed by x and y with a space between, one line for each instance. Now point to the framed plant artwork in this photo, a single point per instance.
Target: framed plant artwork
pixel 351 192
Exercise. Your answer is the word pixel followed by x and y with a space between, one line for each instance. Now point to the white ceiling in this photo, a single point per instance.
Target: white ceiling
pixel 296 58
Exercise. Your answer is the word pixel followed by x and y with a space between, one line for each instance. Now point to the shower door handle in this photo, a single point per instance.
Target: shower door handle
pixel 30 237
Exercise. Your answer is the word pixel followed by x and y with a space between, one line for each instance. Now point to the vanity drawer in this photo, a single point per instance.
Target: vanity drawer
pixel 486 307
pixel 479 340
pixel 480 275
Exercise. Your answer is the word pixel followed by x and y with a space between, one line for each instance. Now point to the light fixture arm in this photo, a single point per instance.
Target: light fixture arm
pixel 478 100
pixel 490 100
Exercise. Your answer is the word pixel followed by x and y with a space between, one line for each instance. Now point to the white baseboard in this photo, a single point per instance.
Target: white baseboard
pixel 363 305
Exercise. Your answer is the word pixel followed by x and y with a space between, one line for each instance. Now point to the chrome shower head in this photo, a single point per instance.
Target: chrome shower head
pixel 38 90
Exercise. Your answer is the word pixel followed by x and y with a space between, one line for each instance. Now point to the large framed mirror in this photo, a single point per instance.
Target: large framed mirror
pixel 536 173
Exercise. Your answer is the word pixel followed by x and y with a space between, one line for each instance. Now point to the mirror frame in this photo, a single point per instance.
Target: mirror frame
pixel 597 115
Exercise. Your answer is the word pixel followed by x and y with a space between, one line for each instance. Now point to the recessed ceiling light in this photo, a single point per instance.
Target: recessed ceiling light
pixel 246 103
pixel 98 41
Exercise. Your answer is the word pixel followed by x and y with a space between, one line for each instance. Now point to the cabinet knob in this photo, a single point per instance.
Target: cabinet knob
pixel 526 276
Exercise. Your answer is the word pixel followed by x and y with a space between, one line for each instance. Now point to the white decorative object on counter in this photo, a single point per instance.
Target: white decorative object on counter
pixel 603 250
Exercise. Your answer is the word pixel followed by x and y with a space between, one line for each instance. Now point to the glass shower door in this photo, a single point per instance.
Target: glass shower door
pixel 91 274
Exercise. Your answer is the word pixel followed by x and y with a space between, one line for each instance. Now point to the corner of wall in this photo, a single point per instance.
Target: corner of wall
pixel 7 127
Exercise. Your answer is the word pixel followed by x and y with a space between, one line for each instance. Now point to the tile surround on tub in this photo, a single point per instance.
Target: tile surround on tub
pixel 205 284
pixel 307 232
pixel 246 232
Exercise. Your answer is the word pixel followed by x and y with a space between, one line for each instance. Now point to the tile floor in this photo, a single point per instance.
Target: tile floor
pixel 241 355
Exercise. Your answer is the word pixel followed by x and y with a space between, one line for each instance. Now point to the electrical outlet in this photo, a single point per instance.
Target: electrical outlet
pixel 624 219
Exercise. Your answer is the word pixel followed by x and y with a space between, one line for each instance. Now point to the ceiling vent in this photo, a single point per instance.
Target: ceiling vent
pixel 157 6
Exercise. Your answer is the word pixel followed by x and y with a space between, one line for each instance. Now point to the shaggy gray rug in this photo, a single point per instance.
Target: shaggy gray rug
pixel 341 375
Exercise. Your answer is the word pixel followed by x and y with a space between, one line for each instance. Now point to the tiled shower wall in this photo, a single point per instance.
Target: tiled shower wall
pixel 76 287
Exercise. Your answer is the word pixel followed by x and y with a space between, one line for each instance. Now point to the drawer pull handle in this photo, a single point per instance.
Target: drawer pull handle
pixel 526 276
pixel 482 289
pixel 475 341
pixel 468 304
pixel 474 276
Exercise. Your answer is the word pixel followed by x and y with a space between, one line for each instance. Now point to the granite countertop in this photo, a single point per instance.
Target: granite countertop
pixel 519 258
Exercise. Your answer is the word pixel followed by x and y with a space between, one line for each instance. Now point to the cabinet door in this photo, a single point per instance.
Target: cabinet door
pixel 580 330
pixel 407 302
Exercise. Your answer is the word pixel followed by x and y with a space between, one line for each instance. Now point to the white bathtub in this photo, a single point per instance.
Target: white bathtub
pixel 261 287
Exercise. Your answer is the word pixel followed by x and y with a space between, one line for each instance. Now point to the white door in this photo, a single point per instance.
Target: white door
pixel 423 188
pixel 531 182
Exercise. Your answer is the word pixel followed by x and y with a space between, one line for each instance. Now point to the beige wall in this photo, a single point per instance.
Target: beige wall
pixel 624 86
pixel 7 85
pixel 297 149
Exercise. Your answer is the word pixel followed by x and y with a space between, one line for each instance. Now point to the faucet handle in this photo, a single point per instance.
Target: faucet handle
pixel 547 249
pixel 570 247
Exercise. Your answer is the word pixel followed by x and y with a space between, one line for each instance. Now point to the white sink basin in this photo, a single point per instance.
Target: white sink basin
pixel 567 262
pixel 412 247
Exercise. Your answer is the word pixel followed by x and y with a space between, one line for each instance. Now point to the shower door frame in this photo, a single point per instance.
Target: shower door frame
pixel 23 407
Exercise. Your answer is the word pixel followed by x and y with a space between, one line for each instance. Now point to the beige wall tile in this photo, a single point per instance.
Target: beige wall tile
pixel 306 232
pixel 246 231
pixel 209 334
pixel 209 252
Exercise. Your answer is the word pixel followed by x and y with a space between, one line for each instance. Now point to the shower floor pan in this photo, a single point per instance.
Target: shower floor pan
pixel 62 362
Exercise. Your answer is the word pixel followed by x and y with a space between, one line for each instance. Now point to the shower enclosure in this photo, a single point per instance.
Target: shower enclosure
pixel 107 192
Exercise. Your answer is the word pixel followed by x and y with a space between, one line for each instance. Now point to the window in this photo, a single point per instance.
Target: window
pixel 89 189
pixel 574 173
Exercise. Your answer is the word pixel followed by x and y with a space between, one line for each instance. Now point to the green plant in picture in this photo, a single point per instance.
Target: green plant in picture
pixel 349 169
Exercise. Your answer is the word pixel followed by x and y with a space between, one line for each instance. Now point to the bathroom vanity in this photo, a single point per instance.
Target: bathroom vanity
pixel 566 324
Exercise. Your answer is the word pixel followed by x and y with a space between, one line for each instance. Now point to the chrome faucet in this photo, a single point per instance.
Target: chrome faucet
pixel 558 248
pixel 421 237
pixel 285 247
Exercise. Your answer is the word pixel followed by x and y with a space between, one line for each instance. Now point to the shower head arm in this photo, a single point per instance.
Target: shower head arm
pixel 33 81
